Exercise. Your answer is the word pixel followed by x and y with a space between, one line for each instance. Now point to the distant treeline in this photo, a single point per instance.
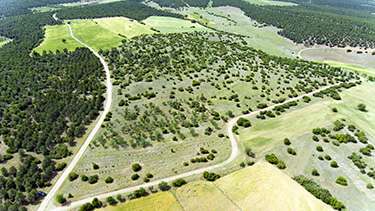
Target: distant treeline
pixel 312 25
pixel 19 7
pixel 134 9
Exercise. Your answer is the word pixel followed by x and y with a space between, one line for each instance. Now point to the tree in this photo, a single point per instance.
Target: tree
pixel 60 199
pixel 362 107
pixel 73 176
pixel 111 201
pixel 163 186
pixel 108 180
pixel 341 181
pixel 179 183
pixel 136 167
pixel 96 203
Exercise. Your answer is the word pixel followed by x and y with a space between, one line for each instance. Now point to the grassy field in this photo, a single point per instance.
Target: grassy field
pixel 57 38
pixel 233 20
pixel 117 145
pixel 260 187
pixel 271 3
pixel 107 33
pixel 337 56
pixel 160 201
pixel 173 25
pixel 55 7
pixel 267 136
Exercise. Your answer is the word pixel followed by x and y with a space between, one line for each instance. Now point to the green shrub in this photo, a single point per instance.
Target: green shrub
pixel 72 176
pixel 369 186
pixel 315 172
pixel 334 164
pixel 341 181
pixel 287 142
pixel 272 158
pixel 362 107
pixel 291 151
pixel 210 176
pixel 242 122
pixel 179 183
pixel 163 186
pixel 93 179
pixel 108 180
pixel 135 177
pixel 111 201
pixel 136 167
pixel 316 190
pixel 60 199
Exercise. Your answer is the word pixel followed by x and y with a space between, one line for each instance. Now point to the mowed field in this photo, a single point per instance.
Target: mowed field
pixel 259 187
pixel 267 136
pixel 107 33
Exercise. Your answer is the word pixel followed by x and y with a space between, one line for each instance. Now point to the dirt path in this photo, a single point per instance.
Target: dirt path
pixel 235 152
pixel 46 203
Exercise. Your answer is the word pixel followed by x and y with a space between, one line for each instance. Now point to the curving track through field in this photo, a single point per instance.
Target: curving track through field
pixel 47 203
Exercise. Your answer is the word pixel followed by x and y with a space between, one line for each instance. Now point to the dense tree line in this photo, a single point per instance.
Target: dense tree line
pixel 312 25
pixel 19 7
pixel 45 103
pixel 347 4
pixel 134 9
pixel 319 192
pixel 182 3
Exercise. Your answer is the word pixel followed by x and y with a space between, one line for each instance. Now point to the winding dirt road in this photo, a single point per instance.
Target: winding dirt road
pixel 108 102
pixel 235 152
pixel 47 203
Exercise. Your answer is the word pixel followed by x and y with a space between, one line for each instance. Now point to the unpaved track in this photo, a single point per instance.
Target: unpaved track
pixel 47 201
pixel 235 152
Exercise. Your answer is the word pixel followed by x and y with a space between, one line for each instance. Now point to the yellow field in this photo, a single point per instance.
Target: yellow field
pixel 260 187
pixel 164 201
pixel 264 187
pixel 202 195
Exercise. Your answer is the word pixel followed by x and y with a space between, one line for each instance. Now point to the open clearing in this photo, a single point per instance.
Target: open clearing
pixel 233 20
pixel 271 3
pixel 106 33
pixel 357 57
pixel 173 25
pixel 267 136
pixel 251 188
pixel 55 7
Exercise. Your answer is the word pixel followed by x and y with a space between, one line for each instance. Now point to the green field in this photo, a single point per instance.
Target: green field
pixel 55 7
pixel 57 38
pixel 267 136
pixel 107 33
pixel 173 25
pixel 233 20
pixel 271 3
pixel 174 132
pixel 251 188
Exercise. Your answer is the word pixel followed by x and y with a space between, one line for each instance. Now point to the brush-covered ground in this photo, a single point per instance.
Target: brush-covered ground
pixel 174 94
pixel 349 144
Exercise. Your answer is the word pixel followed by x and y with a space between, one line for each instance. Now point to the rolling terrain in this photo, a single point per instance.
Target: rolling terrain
pixel 224 105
